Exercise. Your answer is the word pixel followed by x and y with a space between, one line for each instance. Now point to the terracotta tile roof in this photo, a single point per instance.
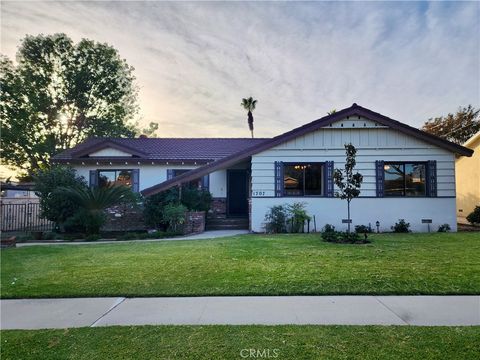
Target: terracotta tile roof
pixel 165 148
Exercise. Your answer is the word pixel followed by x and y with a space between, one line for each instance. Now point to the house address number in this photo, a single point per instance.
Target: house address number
pixel 258 193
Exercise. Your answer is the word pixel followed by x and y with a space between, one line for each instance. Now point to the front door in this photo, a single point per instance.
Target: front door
pixel 237 188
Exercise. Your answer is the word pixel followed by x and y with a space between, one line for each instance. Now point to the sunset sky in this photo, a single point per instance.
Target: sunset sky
pixel 195 61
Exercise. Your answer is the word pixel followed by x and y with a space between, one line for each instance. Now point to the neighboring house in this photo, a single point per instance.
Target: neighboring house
pixel 17 193
pixel 408 174
pixel 467 172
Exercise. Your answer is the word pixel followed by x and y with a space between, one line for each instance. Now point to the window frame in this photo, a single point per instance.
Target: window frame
pixel 322 181
pixel 427 176
pixel 119 170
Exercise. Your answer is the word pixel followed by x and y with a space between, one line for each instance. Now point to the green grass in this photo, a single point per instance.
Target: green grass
pixel 247 265
pixel 227 342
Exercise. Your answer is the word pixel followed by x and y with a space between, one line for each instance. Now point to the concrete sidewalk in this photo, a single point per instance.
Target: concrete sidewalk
pixel 213 234
pixel 241 310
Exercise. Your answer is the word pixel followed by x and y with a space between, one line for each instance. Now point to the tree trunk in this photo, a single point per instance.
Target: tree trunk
pixel 252 133
pixel 348 216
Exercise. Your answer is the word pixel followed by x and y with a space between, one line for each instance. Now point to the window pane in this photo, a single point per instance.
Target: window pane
pixel 394 180
pixel 124 177
pixel 178 172
pixel 313 179
pixel 415 180
pixel 293 180
pixel 105 177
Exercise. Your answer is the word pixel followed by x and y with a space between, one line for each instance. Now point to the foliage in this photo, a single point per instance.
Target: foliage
pixel 249 104
pixel 328 233
pixel 363 229
pixel 474 216
pixel 174 215
pixel 276 219
pixel 458 127
pixel 150 131
pixel 54 206
pixel 192 198
pixel 401 227
pixel 61 93
pixel 195 199
pixel 347 181
pixel 444 228
pixel 92 202
pixel 93 237
pixel 298 215
pixel 154 207
pixel 343 237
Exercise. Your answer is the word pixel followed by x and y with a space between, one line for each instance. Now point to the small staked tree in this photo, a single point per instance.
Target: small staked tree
pixel 347 181
pixel 249 105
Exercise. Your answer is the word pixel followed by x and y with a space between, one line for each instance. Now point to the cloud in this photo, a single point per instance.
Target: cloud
pixel 195 61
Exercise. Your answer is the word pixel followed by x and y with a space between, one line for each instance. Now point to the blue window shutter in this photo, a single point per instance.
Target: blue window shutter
pixel 432 178
pixel 380 177
pixel 329 189
pixel 279 179
pixel 170 174
pixel 93 178
pixel 206 182
pixel 135 180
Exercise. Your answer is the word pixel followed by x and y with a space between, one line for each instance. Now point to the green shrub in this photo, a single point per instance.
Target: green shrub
pixel 363 229
pixel 298 216
pixel 276 219
pixel 92 237
pixel 195 199
pixel 49 235
pixel 154 207
pixel 474 217
pixel 444 228
pixel 54 206
pixel 329 234
pixel 342 237
pixel 174 215
pixel 401 227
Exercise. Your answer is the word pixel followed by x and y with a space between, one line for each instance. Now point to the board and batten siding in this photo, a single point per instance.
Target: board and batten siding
pixel 373 142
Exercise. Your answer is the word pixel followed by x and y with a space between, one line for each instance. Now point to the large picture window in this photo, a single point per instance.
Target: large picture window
pixel 405 179
pixel 303 179
pixel 117 177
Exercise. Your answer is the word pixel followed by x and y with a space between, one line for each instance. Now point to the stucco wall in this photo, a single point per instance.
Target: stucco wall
pixel 468 182
pixel 151 175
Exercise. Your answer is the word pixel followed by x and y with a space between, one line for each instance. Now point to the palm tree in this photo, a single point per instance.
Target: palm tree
pixel 249 104
pixel 92 202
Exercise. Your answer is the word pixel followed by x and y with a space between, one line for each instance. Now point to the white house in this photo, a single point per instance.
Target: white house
pixel 408 174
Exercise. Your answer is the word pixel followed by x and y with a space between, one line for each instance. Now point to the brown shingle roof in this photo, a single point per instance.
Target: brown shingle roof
pixel 163 149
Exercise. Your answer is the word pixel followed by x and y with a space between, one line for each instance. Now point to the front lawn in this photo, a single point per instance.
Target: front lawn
pixel 235 342
pixel 247 265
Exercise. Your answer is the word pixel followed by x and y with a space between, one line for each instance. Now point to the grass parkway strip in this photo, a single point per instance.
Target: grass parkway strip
pixel 237 342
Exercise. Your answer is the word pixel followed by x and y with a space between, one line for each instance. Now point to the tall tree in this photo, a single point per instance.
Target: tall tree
pixel 58 94
pixel 458 127
pixel 249 105
pixel 347 181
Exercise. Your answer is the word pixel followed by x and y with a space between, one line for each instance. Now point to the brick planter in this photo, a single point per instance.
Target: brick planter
pixel 194 222
pixel 9 242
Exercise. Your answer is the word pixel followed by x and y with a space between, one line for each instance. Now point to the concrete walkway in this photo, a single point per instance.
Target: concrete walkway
pixel 213 234
pixel 267 310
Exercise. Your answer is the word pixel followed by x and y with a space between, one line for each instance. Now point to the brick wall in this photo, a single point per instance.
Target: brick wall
pixel 218 209
pixel 194 222
pixel 124 218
